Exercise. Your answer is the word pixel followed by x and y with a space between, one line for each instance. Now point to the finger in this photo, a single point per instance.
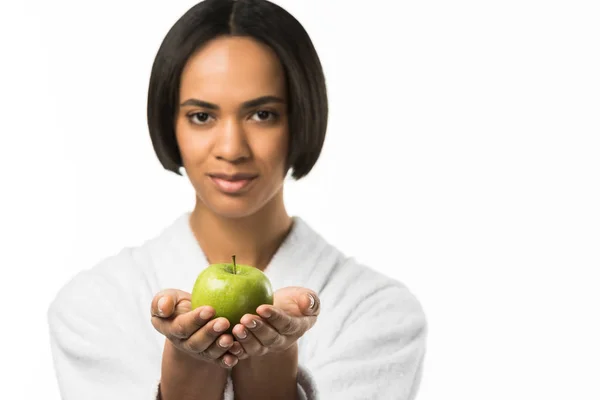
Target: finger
pixel 278 319
pixel 237 350
pixel 228 361
pixel 310 303
pixel 183 326
pixel 204 337
pixel 250 344
pixel 218 347
pixel 164 303
pixel 265 333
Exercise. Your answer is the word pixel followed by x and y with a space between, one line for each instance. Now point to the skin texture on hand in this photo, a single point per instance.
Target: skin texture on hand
pixel 193 332
pixel 272 376
pixel 268 366
pixel 294 311
pixel 265 354
pixel 195 356
pixel 184 377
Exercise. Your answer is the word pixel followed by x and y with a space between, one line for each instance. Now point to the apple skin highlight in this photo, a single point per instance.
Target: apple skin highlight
pixel 233 290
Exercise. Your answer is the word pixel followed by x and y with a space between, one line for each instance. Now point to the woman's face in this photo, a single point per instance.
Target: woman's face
pixel 232 125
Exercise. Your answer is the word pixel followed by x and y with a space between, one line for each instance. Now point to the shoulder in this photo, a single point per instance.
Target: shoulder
pixel 123 276
pixel 365 311
pixel 346 285
pixel 91 311
pixel 359 288
pixel 127 280
pixel 92 290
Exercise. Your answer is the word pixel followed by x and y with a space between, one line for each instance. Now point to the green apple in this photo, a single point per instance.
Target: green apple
pixel 233 290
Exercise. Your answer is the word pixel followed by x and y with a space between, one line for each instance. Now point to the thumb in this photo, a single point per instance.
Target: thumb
pixel 310 304
pixel 170 301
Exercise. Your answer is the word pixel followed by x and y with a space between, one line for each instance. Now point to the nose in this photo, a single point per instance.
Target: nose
pixel 231 144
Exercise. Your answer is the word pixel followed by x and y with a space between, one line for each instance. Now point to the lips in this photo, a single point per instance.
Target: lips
pixel 232 183
pixel 233 177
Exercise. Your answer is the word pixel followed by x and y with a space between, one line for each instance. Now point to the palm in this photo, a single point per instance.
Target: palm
pixel 291 300
pixel 278 326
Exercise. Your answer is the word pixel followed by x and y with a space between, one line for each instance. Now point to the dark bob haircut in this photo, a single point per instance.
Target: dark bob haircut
pixel 265 22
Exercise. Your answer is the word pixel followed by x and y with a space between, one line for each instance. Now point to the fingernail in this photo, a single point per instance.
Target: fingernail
pixel 312 301
pixel 206 313
pixel 161 303
pixel 266 313
pixel 237 352
pixel 228 363
pixel 223 344
pixel 251 324
pixel 220 326
pixel 243 335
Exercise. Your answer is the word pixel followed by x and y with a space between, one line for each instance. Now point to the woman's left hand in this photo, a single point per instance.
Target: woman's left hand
pixel 276 328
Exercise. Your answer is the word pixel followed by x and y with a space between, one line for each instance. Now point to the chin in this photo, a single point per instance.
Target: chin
pixel 241 205
pixel 233 212
pixel 232 207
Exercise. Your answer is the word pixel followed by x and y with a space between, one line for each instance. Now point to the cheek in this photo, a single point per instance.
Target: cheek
pixel 272 152
pixel 193 147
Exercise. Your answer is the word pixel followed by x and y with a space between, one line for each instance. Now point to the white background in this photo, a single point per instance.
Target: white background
pixel 462 157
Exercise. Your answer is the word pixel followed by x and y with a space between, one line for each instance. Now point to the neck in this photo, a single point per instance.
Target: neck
pixel 253 239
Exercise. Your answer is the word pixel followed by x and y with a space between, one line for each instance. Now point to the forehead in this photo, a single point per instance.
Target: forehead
pixel 232 69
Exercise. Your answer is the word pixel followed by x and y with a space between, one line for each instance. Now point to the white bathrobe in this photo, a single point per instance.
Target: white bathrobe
pixel 368 342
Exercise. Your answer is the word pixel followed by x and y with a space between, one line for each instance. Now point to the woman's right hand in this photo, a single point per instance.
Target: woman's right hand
pixel 194 332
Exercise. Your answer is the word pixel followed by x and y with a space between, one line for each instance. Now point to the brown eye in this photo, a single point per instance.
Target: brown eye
pixel 199 118
pixel 264 115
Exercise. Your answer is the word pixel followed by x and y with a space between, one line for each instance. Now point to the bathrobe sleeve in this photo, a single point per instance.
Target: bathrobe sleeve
pixel 379 351
pixel 101 346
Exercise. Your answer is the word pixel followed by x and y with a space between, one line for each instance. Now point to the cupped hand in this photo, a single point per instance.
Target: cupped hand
pixel 276 328
pixel 194 331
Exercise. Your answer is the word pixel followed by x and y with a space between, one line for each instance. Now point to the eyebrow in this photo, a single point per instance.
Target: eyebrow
pixel 245 105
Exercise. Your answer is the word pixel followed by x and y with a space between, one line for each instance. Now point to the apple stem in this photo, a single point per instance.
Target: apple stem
pixel 234 267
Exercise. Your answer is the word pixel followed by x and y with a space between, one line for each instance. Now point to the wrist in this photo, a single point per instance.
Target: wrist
pixel 184 377
pixel 272 376
pixel 177 356
pixel 288 356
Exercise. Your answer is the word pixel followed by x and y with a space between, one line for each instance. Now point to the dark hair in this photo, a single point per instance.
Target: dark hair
pixel 267 23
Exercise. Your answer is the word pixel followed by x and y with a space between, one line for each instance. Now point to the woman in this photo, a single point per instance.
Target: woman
pixel 237 100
